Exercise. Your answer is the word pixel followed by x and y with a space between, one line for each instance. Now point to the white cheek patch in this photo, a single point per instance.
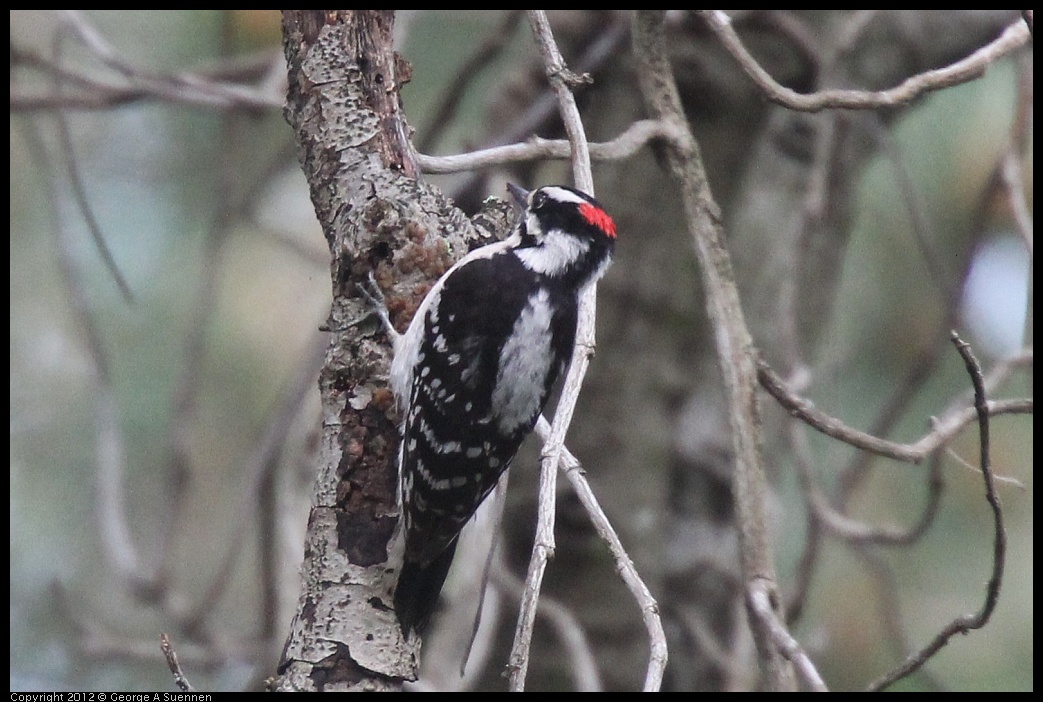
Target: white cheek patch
pixel 555 253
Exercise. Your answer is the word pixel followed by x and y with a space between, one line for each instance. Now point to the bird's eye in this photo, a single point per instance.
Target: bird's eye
pixel 538 200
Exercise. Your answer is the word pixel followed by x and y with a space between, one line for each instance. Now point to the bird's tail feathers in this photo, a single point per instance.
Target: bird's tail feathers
pixel 419 586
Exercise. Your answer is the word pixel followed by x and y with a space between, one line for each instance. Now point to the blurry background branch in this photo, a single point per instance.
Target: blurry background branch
pixel 860 236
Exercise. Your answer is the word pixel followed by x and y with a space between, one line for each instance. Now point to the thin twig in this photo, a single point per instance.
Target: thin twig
pixel 814 205
pixel 121 554
pixel 543 546
pixel 945 281
pixel 79 189
pixel 582 665
pixel 175 668
pixel 183 87
pixel 805 570
pixel 624 565
pixel 967 622
pixel 499 502
pixel 844 527
pixel 258 470
pixel 889 608
pixel 919 371
pixel 96 93
pixel 761 606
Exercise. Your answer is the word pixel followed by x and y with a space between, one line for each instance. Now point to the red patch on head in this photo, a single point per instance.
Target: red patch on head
pixel 599 218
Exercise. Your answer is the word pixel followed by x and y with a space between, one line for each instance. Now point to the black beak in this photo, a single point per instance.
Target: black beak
pixel 520 195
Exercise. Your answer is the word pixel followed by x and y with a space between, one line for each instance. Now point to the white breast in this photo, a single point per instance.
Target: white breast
pixel 524 365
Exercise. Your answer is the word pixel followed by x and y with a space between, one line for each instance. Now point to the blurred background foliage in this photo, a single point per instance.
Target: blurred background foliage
pixel 158 176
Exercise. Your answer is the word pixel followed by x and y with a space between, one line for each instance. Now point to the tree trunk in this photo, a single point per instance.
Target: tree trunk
pixel 377 217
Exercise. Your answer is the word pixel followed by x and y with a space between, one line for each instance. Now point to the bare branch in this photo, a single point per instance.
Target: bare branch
pixel 734 345
pixel 192 88
pixel 947 427
pixel 805 569
pixel 562 80
pixel 636 137
pixel 543 106
pixel 963 71
pixel 957 415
